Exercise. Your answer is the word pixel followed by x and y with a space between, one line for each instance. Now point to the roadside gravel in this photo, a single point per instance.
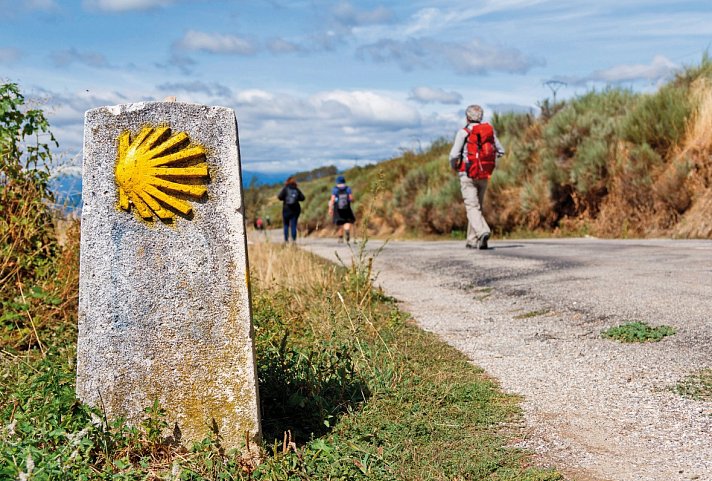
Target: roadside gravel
pixel 531 312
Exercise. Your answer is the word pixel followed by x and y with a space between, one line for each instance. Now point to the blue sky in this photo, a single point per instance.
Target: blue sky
pixel 337 82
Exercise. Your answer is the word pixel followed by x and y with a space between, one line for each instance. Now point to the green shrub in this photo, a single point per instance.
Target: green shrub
pixel 28 248
pixel 638 332
pixel 511 125
pixel 659 120
pixel 578 141
pixel 305 390
pixel 26 232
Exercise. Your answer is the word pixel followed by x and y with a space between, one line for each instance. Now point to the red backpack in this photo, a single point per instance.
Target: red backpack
pixel 481 152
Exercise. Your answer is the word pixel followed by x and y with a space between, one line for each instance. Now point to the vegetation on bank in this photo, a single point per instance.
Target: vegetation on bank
pixel 697 385
pixel 350 388
pixel 638 332
pixel 610 163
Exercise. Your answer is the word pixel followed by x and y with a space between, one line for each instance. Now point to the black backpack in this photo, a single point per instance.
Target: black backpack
pixel 292 196
pixel 342 198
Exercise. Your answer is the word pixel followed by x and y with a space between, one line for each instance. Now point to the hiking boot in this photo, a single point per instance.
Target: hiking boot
pixel 340 240
pixel 482 241
pixel 470 246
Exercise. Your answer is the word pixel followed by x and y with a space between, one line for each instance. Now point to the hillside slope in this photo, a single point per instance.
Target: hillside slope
pixel 611 163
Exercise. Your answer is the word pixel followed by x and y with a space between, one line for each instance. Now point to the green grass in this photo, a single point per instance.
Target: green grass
pixel 530 314
pixel 416 408
pixel 696 386
pixel 483 293
pixel 350 388
pixel 638 332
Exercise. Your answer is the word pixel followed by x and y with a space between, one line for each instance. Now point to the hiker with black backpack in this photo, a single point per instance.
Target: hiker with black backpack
pixel 474 156
pixel 291 196
pixel 340 208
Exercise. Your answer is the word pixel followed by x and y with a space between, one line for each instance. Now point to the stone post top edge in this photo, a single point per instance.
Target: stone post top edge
pixel 136 106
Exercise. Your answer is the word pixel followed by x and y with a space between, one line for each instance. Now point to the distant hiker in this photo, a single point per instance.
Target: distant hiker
pixel 340 208
pixel 259 223
pixel 291 196
pixel 473 156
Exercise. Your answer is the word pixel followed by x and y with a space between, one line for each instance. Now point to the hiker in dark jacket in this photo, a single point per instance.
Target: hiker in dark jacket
pixel 340 208
pixel 291 196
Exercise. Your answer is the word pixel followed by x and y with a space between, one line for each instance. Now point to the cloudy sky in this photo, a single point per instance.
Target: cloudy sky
pixel 317 82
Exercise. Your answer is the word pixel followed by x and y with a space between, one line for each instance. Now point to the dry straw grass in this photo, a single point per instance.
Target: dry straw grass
pixel 698 138
pixel 697 150
pixel 276 266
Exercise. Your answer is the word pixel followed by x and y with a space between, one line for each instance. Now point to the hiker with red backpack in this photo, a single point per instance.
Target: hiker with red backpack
pixel 474 156
pixel 340 208
pixel 291 196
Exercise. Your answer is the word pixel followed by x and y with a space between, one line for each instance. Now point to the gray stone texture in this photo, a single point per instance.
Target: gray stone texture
pixel 164 310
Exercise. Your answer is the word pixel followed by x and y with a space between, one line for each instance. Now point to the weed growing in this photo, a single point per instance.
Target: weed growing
pixel 530 314
pixel 696 386
pixel 483 293
pixel 638 332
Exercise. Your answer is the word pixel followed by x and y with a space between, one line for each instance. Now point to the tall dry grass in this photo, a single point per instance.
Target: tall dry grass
pixel 697 152
pixel 277 266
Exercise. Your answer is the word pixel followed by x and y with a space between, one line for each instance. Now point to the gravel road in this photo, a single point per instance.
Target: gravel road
pixel 531 312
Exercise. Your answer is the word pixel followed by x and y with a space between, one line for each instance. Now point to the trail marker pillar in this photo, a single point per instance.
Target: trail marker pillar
pixel 164 304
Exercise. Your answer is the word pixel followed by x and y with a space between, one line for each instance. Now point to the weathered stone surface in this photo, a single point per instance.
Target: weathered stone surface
pixel 164 309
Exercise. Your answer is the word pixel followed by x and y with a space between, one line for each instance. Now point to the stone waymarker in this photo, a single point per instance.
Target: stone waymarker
pixel 164 306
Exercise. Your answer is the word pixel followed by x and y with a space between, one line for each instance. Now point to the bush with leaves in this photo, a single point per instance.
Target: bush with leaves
pixel 28 247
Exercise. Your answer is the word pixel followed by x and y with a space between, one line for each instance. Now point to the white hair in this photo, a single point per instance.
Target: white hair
pixel 474 113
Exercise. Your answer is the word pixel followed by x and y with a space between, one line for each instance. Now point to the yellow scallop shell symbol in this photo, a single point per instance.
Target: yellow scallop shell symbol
pixel 157 172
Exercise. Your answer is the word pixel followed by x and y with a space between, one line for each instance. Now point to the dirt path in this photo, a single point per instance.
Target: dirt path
pixel 531 313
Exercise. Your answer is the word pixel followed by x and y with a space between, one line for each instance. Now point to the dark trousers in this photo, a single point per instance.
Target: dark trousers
pixel 289 219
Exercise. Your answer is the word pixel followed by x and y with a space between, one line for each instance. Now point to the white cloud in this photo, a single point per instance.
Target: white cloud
pixel 475 58
pixel 292 132
pixel 263 107
pixel 426 95
pixel 447 20
pixel 194 40
pixel 125 5
pixel 65 112
pixel 283 131
pixel 367 107
pixel 427 19
pixel 659 68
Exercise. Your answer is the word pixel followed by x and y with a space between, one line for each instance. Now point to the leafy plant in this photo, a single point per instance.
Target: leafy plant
pixel 638 332
pixel 530 314
pixel 28 246
pixel 659 120
pixel 696 386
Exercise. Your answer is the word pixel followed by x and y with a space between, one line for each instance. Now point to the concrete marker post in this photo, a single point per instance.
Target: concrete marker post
pixel 164 302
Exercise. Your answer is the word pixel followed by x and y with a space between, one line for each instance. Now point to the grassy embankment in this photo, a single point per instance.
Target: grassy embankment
pixel 609 163
pixel 350 388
